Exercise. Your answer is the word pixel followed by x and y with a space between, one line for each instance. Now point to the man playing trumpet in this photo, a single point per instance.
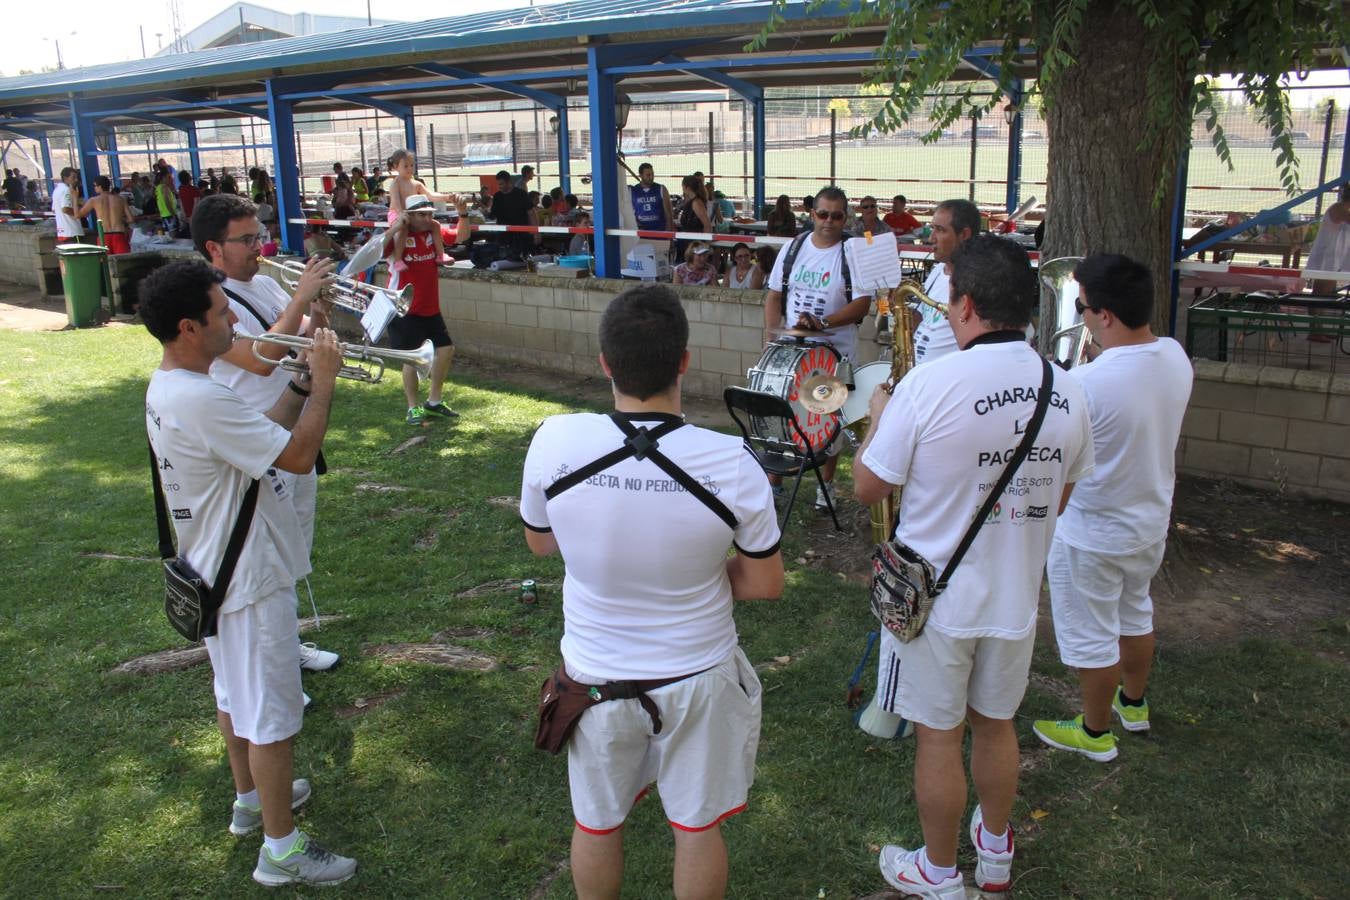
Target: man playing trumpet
pixel 225 230
pixel 214 443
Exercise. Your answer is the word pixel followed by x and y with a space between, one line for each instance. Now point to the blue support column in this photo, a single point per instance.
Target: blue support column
pixel 4 154
pixel 604 164
pixel 564 150
pixel 409 133
pixel 761 156
pixel 194 151
pixel 1014 186
pixel 114 162
pixel 281 115
pixel 1178 223
pixel 46 148
pixel 86 149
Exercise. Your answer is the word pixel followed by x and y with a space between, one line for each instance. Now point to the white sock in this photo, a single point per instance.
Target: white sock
pixel 932 871
pixel 250 799
pixel 279 847
pixel 994 843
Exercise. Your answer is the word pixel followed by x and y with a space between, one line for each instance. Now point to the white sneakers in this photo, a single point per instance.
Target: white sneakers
pixel 900 868
pixel 315 660
pixel 993 871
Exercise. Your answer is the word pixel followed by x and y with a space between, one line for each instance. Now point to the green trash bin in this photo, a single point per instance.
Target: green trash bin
pixel 82 278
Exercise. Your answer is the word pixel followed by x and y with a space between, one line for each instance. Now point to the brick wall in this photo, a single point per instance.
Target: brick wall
pixel 27 256
pixel 1281 429
pixel 554 324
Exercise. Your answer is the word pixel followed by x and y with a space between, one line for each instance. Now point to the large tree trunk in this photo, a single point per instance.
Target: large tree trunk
pixel 1101 190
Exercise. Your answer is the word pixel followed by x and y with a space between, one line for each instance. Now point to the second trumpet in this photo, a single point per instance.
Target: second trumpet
pixel 362 356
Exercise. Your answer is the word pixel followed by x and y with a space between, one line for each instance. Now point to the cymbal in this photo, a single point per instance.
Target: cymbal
pixel 822 394
pixel 794 332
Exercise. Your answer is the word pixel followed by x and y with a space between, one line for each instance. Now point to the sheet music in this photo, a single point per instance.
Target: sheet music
pixel 874 265
pixel 377 316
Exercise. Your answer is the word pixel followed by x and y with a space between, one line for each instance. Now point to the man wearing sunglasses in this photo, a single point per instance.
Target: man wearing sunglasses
pixel 812 295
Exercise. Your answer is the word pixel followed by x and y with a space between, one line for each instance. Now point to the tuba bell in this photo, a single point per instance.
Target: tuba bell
pixel 1069 343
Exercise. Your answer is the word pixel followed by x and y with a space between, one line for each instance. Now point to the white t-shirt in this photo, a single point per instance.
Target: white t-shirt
pixel 1136 397
pixel 211 445
pixel 1331 248
pixel 934 337
pixel 946 435
pixel 646 593
pixel 66 225
pixel 816 286
pixel 269 299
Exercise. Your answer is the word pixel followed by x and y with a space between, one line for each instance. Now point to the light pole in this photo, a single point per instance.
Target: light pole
pixel 56 42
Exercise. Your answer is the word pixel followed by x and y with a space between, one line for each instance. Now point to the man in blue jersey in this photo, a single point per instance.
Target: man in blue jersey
pixel 651 201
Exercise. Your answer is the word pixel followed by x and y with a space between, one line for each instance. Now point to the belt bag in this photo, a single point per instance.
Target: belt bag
pixel 191 604
pixel 563 699
pixel 904 586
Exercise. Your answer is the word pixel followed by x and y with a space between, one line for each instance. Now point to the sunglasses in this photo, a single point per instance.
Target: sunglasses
pixel 868 206
pixel 1081 307
pixel 834 216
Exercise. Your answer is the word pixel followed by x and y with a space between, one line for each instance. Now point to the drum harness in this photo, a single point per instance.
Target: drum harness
pixel 790 260
pixel 560 716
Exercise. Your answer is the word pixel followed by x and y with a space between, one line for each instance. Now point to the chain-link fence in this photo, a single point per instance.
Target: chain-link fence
pixel 808 138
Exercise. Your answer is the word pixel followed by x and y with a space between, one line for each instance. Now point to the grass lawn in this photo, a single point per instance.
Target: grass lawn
pixel 116 785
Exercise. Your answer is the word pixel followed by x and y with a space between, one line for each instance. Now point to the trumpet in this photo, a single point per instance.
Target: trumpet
pixel 420 359
pixel 353 295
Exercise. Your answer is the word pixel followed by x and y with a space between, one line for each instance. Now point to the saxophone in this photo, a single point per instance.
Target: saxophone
pixel 884 511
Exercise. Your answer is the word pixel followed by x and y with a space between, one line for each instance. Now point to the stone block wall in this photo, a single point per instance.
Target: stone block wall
pixel 554 324
pixel 1269 427
pixel 28 257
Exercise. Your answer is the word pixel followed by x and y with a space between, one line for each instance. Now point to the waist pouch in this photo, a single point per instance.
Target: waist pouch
pixel 562 700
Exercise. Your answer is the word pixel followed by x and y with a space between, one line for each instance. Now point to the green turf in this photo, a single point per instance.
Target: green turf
pixel 118 781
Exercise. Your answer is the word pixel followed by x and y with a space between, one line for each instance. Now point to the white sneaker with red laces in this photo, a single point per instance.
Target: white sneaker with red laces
pixel 900 868
pixel 993 872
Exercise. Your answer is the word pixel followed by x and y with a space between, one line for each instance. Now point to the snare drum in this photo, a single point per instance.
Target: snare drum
pixel 865 381
pixel 780 371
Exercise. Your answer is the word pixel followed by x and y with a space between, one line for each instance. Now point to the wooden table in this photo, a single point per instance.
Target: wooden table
pixel 1289 253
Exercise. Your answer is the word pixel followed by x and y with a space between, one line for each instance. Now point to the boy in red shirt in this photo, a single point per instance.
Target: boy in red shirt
pixel 415 249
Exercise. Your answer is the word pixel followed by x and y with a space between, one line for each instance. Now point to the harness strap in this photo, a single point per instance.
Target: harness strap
pixel 572 479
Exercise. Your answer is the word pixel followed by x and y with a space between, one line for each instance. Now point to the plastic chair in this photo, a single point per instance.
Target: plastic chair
pixel 785 458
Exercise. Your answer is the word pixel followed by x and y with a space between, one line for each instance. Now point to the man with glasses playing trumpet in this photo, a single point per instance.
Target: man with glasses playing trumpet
pixel 225 230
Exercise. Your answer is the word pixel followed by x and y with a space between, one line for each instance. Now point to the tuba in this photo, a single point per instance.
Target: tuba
pixel 1069 343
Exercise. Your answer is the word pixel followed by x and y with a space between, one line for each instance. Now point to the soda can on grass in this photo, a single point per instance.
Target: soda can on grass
pixel 529 592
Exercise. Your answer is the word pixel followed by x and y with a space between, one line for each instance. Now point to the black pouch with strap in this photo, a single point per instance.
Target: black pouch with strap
pixel 563 699
pixel 189 602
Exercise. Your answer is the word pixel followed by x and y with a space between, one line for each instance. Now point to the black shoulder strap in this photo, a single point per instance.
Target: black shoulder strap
pixel 572 479
pixel 643 447
pixel 848 277
pixel 248 306
pixel 237 535
pixel 1033 429
pixel 789 261
pixel 641 443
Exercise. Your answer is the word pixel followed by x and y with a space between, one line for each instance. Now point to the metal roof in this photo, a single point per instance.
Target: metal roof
pixel 386 43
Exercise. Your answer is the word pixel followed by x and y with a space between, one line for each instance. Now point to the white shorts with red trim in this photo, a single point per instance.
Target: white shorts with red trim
pixel 703 761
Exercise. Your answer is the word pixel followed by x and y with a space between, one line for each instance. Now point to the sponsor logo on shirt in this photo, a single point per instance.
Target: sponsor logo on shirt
pixel 1030 512
pixel 182 514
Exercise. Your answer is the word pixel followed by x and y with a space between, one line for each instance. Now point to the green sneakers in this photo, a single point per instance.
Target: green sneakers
pixel 440 409
pixel 416 415
pixel 1132 718
pixel 1069 735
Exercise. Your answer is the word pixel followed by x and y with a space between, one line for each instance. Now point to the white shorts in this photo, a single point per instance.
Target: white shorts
pixel 255 656
pixel 1098 598
pixel 703 761
pixel 939 676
